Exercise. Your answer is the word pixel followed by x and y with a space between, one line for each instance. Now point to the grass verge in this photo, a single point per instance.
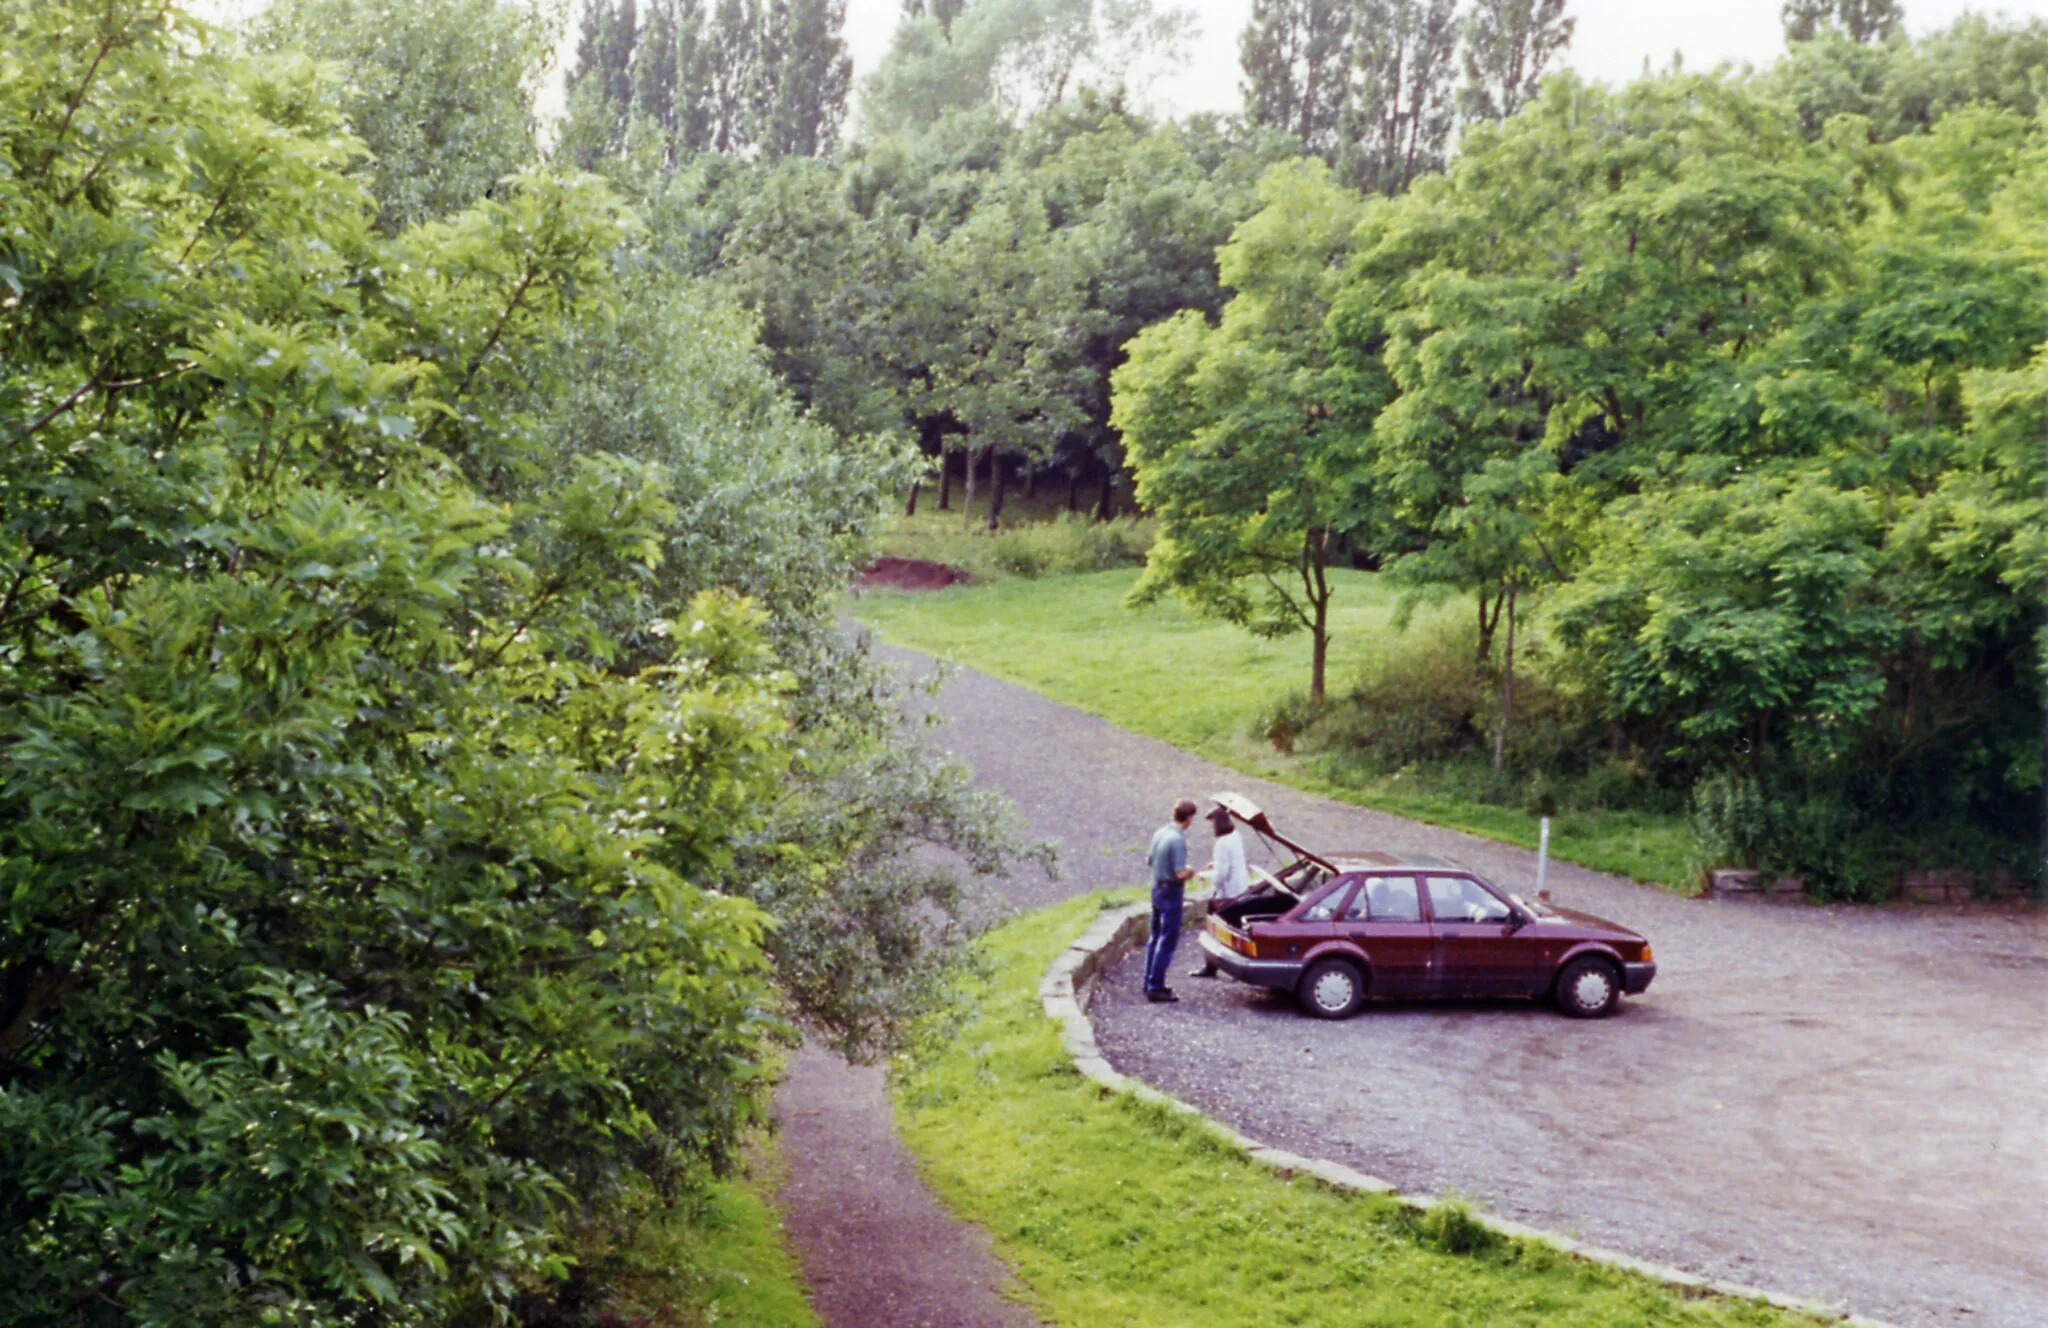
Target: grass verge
pixel 1115 1211
pixel 752 1277
pixel 1163 672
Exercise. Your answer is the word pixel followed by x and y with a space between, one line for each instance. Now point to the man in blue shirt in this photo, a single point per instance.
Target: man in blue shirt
pixel 1169 858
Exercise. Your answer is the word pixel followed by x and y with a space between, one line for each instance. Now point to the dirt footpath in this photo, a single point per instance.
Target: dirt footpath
pixel 1844 1103
pixel 876 1249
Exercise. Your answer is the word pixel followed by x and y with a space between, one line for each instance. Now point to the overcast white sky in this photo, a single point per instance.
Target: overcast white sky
pixel 1612 40
pixel 1614 37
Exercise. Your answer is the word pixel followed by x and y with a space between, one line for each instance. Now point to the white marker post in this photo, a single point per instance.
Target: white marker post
pixel 1542 856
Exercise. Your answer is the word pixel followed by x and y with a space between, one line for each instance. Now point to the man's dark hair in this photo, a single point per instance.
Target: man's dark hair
pixel 1220 818
pixel 1184 810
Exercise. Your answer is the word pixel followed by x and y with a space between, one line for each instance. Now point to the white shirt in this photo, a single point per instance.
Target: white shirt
pixel 1231 877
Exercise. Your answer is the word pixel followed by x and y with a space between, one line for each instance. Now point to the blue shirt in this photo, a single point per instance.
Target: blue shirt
pixel 1168 855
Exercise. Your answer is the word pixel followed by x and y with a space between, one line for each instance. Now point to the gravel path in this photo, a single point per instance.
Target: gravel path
pixel 1845 1103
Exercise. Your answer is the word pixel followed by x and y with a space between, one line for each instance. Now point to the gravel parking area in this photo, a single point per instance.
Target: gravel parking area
pixel 1850 1104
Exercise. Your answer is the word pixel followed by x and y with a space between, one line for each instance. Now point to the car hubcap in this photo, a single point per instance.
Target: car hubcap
pixel 1333 990
pixel 1591 989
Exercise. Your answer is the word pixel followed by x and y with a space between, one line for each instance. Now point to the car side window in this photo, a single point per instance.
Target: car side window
pixel 1455 899
pixel 1326 908
pixel 1385 899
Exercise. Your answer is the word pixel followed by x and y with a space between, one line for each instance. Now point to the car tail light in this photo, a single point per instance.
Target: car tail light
pixel 1646 953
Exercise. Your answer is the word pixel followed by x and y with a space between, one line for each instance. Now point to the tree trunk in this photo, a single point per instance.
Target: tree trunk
pixel 1319 660
pixel 1074 490
pixel 945 477
pixel 1030 484
pixel 995 490
pixel 967 494
pixel 910 503
pixel 1105 506
pixel 1507 686
pixel 1489 623
pixel 1316 581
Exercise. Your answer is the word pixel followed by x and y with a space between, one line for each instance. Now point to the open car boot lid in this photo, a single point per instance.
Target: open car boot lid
pixel 1243 809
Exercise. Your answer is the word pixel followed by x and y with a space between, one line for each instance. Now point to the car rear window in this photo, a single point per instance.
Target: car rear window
pixel 1385 899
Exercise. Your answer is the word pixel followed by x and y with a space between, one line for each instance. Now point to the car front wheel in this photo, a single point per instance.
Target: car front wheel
pixel 1333 989
pixel 1588 988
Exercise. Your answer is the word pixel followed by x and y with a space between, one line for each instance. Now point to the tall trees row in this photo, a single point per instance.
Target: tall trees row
pixel 761 76
pixel 1377 87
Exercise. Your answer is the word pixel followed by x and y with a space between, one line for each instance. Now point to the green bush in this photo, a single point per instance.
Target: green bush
pixel 1069 542
pixel 1836 830
pixel 1430 698
pixel 1284 722
pixel 394 733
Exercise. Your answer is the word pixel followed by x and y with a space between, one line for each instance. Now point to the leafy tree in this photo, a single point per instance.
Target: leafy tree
pixel 1143 212
pixel 441 94
pixel 736 77
pixel 1234 432
pixel 807 90
pixel 1296 56
pixel 1005 336
pixel 1858 20
pixel 942 11
pixel 1022 56
pixel 1906 87
pixel 1398 122
pixel 386 746
pixel 1507 44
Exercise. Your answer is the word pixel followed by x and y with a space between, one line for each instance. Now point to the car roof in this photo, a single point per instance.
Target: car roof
pixel 1368 858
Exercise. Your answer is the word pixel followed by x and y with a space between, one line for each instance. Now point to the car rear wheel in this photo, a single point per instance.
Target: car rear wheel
pixel 1332 989
pixel 1588 988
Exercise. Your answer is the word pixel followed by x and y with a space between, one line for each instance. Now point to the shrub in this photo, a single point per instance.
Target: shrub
pixel 1069 543
pixel 1797 823
pixel 1285 721
pixel 1020 552
pixel 1430 698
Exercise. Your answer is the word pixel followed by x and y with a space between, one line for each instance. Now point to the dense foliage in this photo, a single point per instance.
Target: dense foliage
pixel 429 774
pixel 1749 415
pixel 441 95
pixel 971 287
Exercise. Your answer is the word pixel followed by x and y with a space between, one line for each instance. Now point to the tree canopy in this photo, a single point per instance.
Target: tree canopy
pixel 430 773
pixel 1727 408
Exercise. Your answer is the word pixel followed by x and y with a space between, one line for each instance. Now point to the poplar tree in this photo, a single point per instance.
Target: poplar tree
pixel 766 75
pixel 1399 120
pixel 942 12
pixel 1865 21
pixel 1507 45
pixel 1296 56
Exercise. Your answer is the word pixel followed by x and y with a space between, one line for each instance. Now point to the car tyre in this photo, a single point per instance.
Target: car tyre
pixel 1588 988
pixel 1332 989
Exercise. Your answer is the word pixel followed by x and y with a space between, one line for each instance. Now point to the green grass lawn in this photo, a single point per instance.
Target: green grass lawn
pixel 1163 672
pixel 1113 1211
pixel 752 1278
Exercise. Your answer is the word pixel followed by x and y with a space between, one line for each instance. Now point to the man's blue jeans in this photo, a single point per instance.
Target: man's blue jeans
pixel 1167 897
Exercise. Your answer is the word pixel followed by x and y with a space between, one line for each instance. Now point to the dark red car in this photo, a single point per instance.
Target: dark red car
pixel 1337 929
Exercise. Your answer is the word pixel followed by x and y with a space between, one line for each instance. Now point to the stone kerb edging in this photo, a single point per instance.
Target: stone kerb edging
pixel 1065 991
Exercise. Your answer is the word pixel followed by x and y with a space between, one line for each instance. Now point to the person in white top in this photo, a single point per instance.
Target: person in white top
pixel 1227 873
